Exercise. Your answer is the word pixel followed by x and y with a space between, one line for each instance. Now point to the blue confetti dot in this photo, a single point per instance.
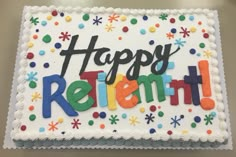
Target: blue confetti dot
pixel 81 26
pixel 44 23
pixel 173 30
pixel 42 129
pixel 46 65
pixel 102 115
pixel 145 17
pixel 191 18
pixel 159 126
pixel 41 52
pixel 151 42
pixel 192 51
pixel 32 64
pixel 142 31
pixel 61 14
pixel 213 114
pixel 57 45
pixel 152 130
pixel 197 119
pixel 124 115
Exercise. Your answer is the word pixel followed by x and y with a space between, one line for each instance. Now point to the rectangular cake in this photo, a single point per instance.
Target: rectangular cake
pixel 119 77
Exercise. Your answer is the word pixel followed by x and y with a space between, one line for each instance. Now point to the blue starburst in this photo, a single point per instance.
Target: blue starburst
pixel 97 20
pixel 179 42
pixel 32 76
pixel 175 121
pixel 149 118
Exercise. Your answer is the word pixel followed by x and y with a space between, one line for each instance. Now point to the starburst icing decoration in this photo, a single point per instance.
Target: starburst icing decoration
pixel 133 120
pixel 109 27
pixel 207 54
pixel 35 96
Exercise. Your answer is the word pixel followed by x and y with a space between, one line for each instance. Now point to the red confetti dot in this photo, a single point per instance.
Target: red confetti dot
pixel 102 126
pixel 56 23
pixel 95 114
pixel 203 30
pixel 159 107
pixel 169 132
pixel 23 128
pixel 125 29
pixel 209 132
pixel 200 22
pixel 190 110
pixel 30 55
pixel 54 13
pixel 172 20
pixel 120 38
pixel 35 36
pixel 153 108
pixel 206 35
pixel 31 108
pixel 157 25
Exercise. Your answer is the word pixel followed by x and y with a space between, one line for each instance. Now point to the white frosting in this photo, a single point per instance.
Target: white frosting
pixel 133 40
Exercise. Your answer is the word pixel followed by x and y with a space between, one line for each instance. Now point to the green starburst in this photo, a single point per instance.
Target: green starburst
pixel 163 16
pixel 35 21
pixel 208 119
pixel 113 119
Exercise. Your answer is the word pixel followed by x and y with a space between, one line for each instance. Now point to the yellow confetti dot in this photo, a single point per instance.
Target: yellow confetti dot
pixel 184 131
pixel 142 109
pixel 52 50
pixel 193 29
pixel 123 18
pixel 30 44
pixel 68 18
pixel 60 120
pixel 152 29
pixel 49 17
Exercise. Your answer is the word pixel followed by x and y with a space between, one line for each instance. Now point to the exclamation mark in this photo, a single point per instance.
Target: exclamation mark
pixel 206 103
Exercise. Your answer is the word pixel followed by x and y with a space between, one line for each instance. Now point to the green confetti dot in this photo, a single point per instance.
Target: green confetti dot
pixel 90 122
pixel 193 125
pixel 32 84
pixel 86 17
pixel 181 17
pixel 201 45
pixel 47 38
pixel 133 21
pixel 160 114
pixel 32 117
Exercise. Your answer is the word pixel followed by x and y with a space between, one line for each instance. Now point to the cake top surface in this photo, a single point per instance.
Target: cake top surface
pixel 105 72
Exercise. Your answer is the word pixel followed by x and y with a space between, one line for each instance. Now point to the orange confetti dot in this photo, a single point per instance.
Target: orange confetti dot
pixel 35 36
pixel 120 38
pixel 31 108
pixel 56 23
pixel 203 30
pixel 157 25
pixel 200 22
pixel 190 110
pixel 102 126
pixel 209 132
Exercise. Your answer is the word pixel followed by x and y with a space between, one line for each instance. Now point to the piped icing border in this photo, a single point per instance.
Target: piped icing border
pixel 89 135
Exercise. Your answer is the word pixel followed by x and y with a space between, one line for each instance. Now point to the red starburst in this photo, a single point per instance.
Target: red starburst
pixel 185 32
pixel 113 17
pixel 75 123
pixel 52 126
pixel 64 36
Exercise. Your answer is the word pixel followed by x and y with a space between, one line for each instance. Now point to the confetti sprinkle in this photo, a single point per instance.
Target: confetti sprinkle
pixel 133 21
pixel 47 38
pixel 86 17
pixel 152 29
